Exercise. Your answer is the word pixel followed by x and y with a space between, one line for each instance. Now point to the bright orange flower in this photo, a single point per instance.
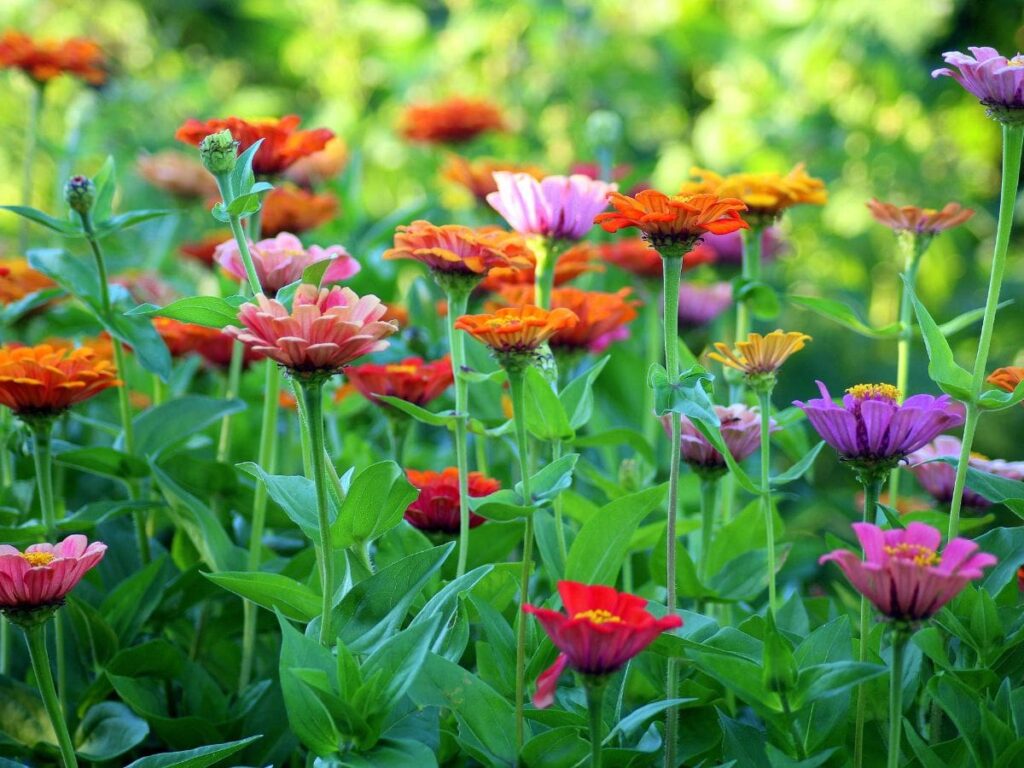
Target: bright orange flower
pixel 175 172
pixel 1006 378
pixel 321 166
pixel 43 381
pixel 44 60
pixel 453 121
pixel 477 176
pixel 599 314
pixel 635 255
pixel 572 263
pixel 766 195
pixel 516 330
pixel 412 379
pixel 212 344
pixel 203 250
pixel 398 314
pixel 926 221
pixel 760 354
pixel 454 249
pixel 283 144
pixel 288 208
pixel 677 221
pixel 18 280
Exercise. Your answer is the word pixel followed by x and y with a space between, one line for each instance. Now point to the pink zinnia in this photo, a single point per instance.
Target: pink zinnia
pixel 938 477
pixel 326 329
pixel 281 260
pixel 740 428
pixel 43 574
pixel 992 78
pixel 728 249
pixel 560 207
pixel 903 573
pixel 701 304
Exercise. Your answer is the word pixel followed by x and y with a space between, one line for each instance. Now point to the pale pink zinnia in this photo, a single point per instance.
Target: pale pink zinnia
pixel 991 77
pixel 559 207
pixel 326 329
pixel 43 574
pixel 938 477
pixel 903 573
pixel 281 260
pixel 741 430
pixel 701 304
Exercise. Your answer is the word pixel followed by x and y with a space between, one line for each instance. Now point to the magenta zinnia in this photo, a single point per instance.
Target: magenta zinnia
pixel 559 207
pixel 281 260
pixel 995 80
pixel 43 574
pixel 938 477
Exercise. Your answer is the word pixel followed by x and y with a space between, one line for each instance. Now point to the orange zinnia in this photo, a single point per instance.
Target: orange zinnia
pixel 46 59
pixel 452 121
pixel 766 195
pixel 283 144
pixel 571 264
pixel 922 221
pixel 1006 378
pixel 18 280
pixel 289 208
pixel 177 173
pixel 212 344
pixel 412 379
pixel 320 166
pixel 516 330
pixel 675 222
pixel 477 176
pixel 44 380
pixel 635 255
pixel 458 250
pixel 760 354
pixel 599 314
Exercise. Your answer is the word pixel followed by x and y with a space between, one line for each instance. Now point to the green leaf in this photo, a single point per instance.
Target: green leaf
pixel 799 469
pixel 108 730
pixel 821 680
pixel 942 368
pixel 998 490
pixel 374 504
pixel 838 312
pixel 127 607
pixel 550 481
pixel 23 716
pixel 62 226
pixel 11 313
pixel 75 276
pixel 617 437
pixel 761 298
pixel 194 758
pixel 164 426
pixel 296 495
pixel 387 753
pixel 421 415
pixel 689 395
pixel 271 591
pixel 398 661
pixel 108 462
pixel 139 334
pixel 578 395
pixel 242 178
pixel 210 311
pixel 127 220
pixel 998 399
pixel 1008 545
pixel 314 273
pixel 308 716
pixel 545 416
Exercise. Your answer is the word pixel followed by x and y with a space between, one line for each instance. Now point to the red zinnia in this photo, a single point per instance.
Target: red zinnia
pixel 203 250
pixel 601 630
pixel 677 220
pixel 635 255
pixel 43 60
pixel 450 122
pixel 436 509
pixel 412 380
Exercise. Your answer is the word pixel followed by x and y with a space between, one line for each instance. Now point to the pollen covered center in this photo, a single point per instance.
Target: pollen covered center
pixel 875 392
pixel 916 553
pixel 38 559
pixel 1016 61
pixel 598 616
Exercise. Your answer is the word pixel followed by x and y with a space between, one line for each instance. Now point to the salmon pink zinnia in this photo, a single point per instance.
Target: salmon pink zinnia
pixel 43 574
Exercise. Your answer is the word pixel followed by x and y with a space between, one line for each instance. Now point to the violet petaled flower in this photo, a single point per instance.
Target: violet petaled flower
pixel 559 207
pixel 996 81
pixel 281 260
pixel 903 573
pixel 740 428
pixel 728 248
pixel 938 477
pixel 873 431
pixel 701 304
pixel 41 577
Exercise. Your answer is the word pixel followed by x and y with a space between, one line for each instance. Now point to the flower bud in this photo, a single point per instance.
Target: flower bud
pixel 218 151
pixel 80 193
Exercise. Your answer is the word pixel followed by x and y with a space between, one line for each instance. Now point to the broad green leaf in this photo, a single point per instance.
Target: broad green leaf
pixel 375 503
pixel 689 395
pixel 296 495
pixel 63 226
pixel 420 414
pixel 127 220
pixel 242 178
pixel 558 747
pixel 998 490
pixel 800 468
pixel 398 661
pixel 314 273
pixel 108 462
pixel 194 758
pixel 545 417
pixel 108 730
pixel 272 591
pixel 578 395
pixel 127 607
pixel 1008 545
pixel 308 716
pixel 998 399
pixel 550 481
pixel 74 275
pixel 822 680
pixel 761 298
pixel 387 753
pixel 139 334
pixel 842 314
pixel 164 426
pixel 942 368
pixel 210 311
pixel 11 313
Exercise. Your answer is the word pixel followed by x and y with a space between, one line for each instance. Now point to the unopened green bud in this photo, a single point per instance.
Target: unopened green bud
pixel 218 151
pixel 80 193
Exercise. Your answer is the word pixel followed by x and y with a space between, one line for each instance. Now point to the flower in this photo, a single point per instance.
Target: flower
pixel 766 195
pixel 571 263
pixel 283 144
pixel 18 280
pixel 922 221
pixel 43 381
pixel 177 173
pixel 436 509
pixel 326 329
pixel 1007 378
pixel 635 255
pixel 728 248
pixel 872 429
pixel 204 250
pixel 146 287
pixel 701 304
pixel 320 166
pixel 600 631
pixel 675 222
pixel 288 208
pixel 281 260
pixel 453 121
pixel 454 249
pixel 43 574
pixel 559 207
pixel 212 344
pixel 760 355
pixel 477 176
pixel 412 379
pixel 904 575
pixel 993 79
pixel 515 331
pixel 44 60
pixel 741 430
pixel 937 477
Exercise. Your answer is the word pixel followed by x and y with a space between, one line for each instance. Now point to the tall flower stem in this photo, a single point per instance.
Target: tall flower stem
pixel 652 333
pixel 765 400
pixel 708 501
pixel 243 248
pixel 556 505
pixel 545 250
pixel 36 638
pixel 750 270
pixel 313 394
pixel 1013 140
pixel 231 389
pixel 872 487
pixel 899 644
pixel 458 300
pixel 35 106
pixel 595 703
pixel 516 380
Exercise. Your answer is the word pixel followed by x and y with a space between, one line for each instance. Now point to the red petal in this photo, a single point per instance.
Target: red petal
pixel 547 682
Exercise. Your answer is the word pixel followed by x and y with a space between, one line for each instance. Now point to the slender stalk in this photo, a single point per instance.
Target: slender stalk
pixel 231 390
pixel 544 273
pixel 899 644
pixel 652 334
pixel 458 299
pixel 243 248
pixel 516 380
pixel 912 247
pixel 563 551
pixel 35 105
pixel 708 499
pixel 872 486
pixel 595 702
pixel 750 270
pixel 265 458
pixel 798 743
pixel 313 394
pixel 36 638
pixel 1013 140
pixel 765 399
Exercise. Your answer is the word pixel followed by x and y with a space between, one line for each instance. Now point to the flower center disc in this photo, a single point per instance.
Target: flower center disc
pixel 38 559
pixel 598 616
pixel 916 553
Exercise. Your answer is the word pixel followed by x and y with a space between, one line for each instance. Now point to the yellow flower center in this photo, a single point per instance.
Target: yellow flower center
pixel 501 322
pixel 916 553
pixel 410 369
pixel 38 559
pixel 875 392
pixel 598 616
pixel 1016 61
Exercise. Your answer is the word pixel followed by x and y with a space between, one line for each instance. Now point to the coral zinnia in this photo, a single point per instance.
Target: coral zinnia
pixel 599 314
pixel 558 207
pixel 515 331
pixel 283 144
pixel 436 509
pixel 18 280
pixel 571 263
pixel 635 255
pixel 600 631
pixel 281 260
pixel 203 250
pixel 412 379
pixel 43 574
pixel 212 344
pixel 288 208
pixel 453 121
pixel 993 79
pixel 903 573
pixel 179 174
pixel 477 176
pixel 457 250
pixel 326 329
pixel 766 195
pixel 741 430
pixel 675 222
pixel 1008 377
pixel 44 380
pixel 758 355
pixel 938 477
pixel 921 221
pixel 46 59
pixel 320 166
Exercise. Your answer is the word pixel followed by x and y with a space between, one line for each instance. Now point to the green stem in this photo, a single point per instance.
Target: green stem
pixel 708 498
pixel 652 338
pixel 544 273
pixel 231 389
pixel 243 249
pixel 899 644
pixel 872 487
pixel 36 637
pixel 765 400
pixel 265 458
pixel 458 299
pixel 306 448
pixel 35 105
pixel 912 247
pixel 595 702
pixel 313 394
pixel 563 551
pixel 750 270
pixel 798 743
pixel 1013 141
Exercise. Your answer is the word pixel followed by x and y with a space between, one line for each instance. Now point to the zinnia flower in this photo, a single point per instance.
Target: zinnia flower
pixel 477 176
pixel 146 287
pixel 1006 378
pixel 571 263
pixel 701 304
pixel 44 60
pixel 281 260
pixel 740 428
pixel 872 429
pixel 921 221
pixel 319 167
pixel 453 121
pixel 558 207
pixel 600 631
pixel 204 250
pixel 412 379
pixel 938 477
pixel 676 222
pixel 993 79
pixel 44 574
pixel 728 248
pixel 636 256
pixel 212 344
pixel 177 173
pixel 283 144
pixel 903 573
pixel 288 208
pixel 44 381
pixel 18 280
pixel 436 509
pixel 516 331
pixel 766 195
pixel 326 329
pixel 760 355
pixel 457 250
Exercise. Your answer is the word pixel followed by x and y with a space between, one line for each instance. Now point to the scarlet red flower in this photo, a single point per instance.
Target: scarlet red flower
pixel 43 60
pixel 18 280
pixel 454 249
pixel 412 380
pixel 599 314
pixel 677 221
pixel 453 121
pixel 43 574
pixel 45 380
pixel 436 509
pixel 516 330
pixel 283 144
pixel 204 250
pixel 1006 378
pixel 635 255
pixel 601 630
pixel 571 263
pixel 288 208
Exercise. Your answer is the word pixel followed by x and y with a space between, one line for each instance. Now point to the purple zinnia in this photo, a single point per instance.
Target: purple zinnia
pixel 872 430
pixel 937 477
pixel 729 248
pixel 995 80
pixel 700 304
pixel 560 207
pixel 741 430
